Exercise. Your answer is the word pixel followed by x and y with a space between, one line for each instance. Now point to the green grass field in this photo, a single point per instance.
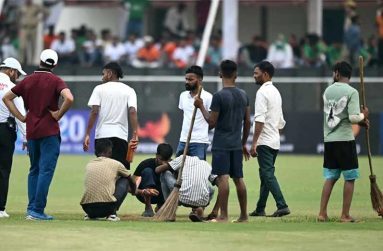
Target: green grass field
pixel 300 178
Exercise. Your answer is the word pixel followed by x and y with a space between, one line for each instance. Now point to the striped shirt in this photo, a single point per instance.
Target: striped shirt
pixel 100 180
pixel 196 179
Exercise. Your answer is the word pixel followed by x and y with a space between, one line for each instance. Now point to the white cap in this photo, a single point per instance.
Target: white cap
pixel 13 64
pixel 49 57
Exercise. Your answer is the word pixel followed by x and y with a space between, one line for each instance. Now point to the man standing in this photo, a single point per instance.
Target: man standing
pixel 341 110
pixel 111 102
pixel 268 119
pixel 41 92
pixel 176 20
pixel 199 139
pixel 29 17
pixel 136 14
pixel 230 114
pixel 10 70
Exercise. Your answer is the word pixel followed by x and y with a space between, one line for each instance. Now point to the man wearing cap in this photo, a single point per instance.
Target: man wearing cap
pixel 112 102
pixel 10 70
pixel 41 92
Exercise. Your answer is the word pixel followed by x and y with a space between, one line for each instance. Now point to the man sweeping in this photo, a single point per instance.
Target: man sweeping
pixel 341 110
pixel 196 190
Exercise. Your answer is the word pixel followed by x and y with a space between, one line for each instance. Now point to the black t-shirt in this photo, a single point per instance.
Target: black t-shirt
pixel 148 163
pixel 231 103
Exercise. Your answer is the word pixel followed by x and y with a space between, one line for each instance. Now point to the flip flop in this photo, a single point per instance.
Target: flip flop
pixel 210 216
pixel 239 221
pixel 350 220
pixel 322 219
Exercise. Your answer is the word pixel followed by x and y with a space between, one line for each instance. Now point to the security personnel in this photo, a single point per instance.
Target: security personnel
pixel 10 70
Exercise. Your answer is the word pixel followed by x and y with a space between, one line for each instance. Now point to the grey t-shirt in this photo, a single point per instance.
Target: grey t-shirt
pixel 231 103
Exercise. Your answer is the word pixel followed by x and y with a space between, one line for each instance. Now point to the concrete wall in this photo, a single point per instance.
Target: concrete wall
pixel 96 18
pixel 286 20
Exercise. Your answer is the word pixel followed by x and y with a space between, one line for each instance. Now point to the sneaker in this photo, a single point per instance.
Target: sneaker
pixel 38 216
pixel 280 212
pixel 112 217
pixel 4 214
pixel 29 212
pixel 257 214
pixel 86 217
pixel 148 213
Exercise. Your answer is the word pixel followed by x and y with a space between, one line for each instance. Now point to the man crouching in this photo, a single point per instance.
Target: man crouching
pixel 107 182
pixel 196 191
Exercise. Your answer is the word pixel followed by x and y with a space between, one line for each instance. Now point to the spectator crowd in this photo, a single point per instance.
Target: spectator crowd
pixel 177 46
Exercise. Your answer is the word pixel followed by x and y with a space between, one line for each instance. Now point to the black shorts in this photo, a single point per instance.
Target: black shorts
pixel 340 155
pixel 225 162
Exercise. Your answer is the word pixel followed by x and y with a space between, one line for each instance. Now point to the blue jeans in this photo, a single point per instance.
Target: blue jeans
pixel 195 149
pixel 43 154
pixel 149 179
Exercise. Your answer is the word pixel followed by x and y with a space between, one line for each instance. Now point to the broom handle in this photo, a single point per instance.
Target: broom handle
pixel 179 180
pixel 363 94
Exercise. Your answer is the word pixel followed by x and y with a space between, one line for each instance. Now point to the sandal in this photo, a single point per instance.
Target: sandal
pixel 211 216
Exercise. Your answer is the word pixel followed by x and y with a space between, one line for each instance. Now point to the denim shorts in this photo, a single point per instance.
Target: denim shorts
pixel 334 174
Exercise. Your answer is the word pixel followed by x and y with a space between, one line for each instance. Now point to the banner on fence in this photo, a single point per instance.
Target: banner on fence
pixel 303 133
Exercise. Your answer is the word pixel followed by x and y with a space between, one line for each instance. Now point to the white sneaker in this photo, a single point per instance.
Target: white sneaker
pixel 112 217
pixel 4 214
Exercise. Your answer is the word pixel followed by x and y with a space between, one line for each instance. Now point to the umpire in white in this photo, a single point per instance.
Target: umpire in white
pixel 10 70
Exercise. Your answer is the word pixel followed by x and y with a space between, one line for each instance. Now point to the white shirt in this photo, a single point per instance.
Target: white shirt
pixel 268 110
pixel 201 127
pixel 8 50
pixel 65 47
pixel 114 52
pixel 185 54
pixel 90 46
pixel 281 58
pixel 196 178
pixel 5 85
pixel 114 99
pixel 131 48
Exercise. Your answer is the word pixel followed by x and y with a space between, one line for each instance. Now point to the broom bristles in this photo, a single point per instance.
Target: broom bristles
pixel 168 210
pixel 376 196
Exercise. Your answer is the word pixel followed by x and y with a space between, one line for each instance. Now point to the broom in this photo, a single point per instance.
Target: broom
pixel 376 194
pixel 168 210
